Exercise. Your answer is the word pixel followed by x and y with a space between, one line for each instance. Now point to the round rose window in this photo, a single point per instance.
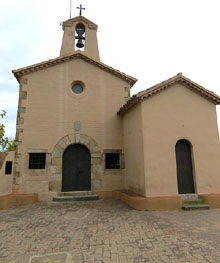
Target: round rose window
pixel 77 88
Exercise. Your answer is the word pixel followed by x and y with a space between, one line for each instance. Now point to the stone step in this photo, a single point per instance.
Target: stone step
pixel 75 198
pixel 75 193
pixel 188 196
pixel 196 207
pixel 192 201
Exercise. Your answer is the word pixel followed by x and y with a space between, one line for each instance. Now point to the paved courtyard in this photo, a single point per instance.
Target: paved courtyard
pixel 106 231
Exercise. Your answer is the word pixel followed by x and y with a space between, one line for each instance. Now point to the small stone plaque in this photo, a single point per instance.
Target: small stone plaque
pixel 52 258
pixel 77 126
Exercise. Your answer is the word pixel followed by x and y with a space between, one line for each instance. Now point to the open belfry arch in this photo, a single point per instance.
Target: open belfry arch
pixel 74 107
pixel 76 29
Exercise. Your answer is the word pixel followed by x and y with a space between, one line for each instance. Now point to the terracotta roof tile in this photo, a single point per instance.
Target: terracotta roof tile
pixel 70 22
pixel 18 73
pixel 139 97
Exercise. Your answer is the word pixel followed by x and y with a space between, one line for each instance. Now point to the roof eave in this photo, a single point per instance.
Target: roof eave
pixel 18 73
pixel 141 96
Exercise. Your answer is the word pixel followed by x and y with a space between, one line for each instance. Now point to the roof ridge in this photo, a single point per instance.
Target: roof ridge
pixel 139 97
pixel 83 18
pixel 51 62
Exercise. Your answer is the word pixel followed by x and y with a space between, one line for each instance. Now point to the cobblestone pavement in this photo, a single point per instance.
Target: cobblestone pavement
pixel 107 231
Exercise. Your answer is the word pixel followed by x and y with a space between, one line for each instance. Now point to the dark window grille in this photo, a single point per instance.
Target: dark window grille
pixel 37 160
pixel 112 161
pixel 8 167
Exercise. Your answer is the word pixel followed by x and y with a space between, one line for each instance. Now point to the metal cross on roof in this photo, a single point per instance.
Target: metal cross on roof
pixel 81 8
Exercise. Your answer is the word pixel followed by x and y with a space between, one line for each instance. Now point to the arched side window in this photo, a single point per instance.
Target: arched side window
pixel 184 167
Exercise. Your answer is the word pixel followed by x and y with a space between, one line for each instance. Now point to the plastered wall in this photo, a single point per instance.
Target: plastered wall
pixel 51 108
pixel 134 179
pixel 6 179
pixel 173 114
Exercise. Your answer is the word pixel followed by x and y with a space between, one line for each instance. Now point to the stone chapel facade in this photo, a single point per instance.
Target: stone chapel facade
pixel 78 129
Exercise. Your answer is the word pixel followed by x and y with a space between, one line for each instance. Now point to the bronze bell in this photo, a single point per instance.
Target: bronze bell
pixel 80 32
pixel 80 43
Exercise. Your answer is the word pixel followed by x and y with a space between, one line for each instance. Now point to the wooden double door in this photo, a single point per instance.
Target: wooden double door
pixel 76 173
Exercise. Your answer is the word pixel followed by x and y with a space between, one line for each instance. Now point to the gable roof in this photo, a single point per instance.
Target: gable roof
pixel 70 22
pixel 179 78
pixel 18 73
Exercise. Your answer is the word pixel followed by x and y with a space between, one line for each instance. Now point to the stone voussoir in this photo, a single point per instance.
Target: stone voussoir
pixel 56 161
pixel 62 144
pixel 67 140
pixel 72 138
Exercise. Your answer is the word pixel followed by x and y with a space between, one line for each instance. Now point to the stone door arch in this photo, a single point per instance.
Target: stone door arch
pixel 97 170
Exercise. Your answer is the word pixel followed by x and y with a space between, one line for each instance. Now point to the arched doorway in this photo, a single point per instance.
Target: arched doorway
pixel 184 167
pixel 76 172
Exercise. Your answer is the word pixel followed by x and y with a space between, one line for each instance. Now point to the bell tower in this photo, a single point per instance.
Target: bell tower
pixel 80 36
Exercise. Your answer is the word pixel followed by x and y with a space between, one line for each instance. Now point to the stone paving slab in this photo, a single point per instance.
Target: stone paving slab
pixel 107 231
pixel 52 258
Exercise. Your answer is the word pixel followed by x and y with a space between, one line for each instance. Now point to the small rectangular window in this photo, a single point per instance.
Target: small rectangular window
pixel 8 167
pixel 112 160
pixel 37 160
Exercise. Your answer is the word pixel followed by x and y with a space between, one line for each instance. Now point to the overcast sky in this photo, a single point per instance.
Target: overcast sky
pixel 151 40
